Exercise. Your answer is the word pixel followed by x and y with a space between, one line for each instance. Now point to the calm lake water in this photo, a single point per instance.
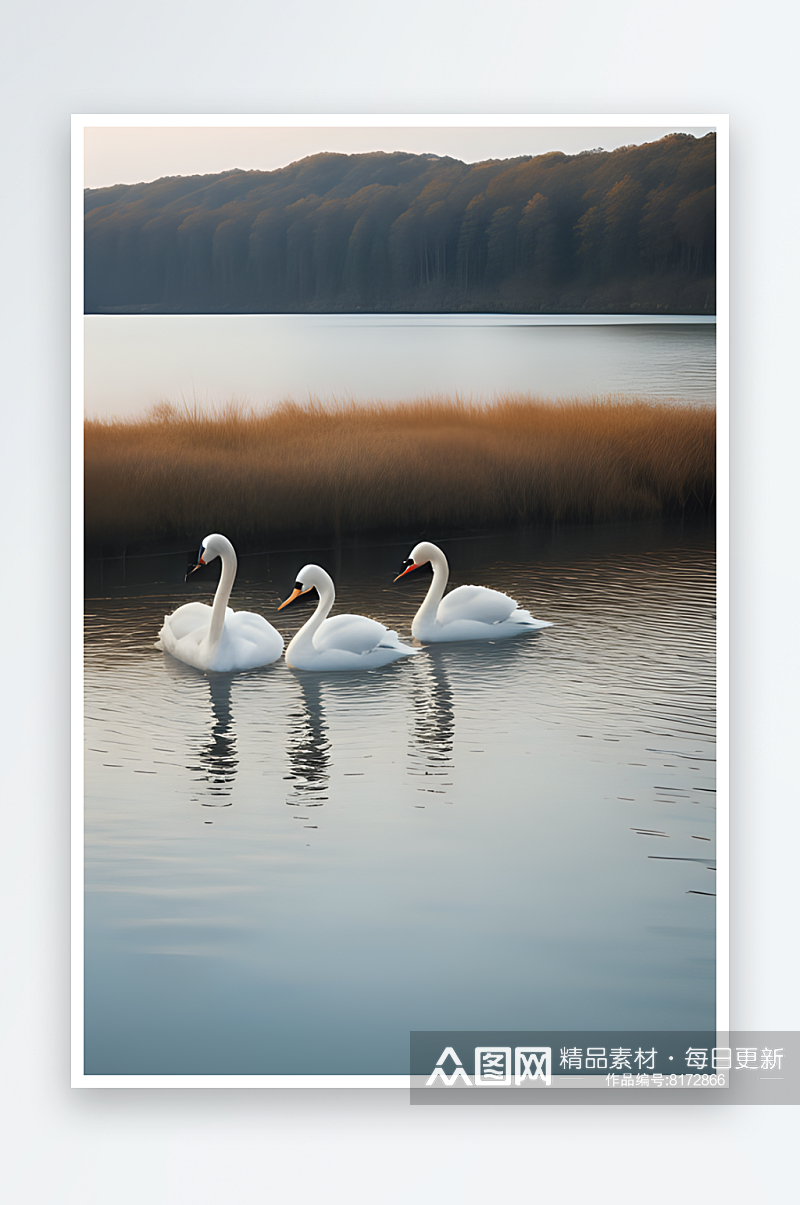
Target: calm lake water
pixel 288 872
pixel 134 361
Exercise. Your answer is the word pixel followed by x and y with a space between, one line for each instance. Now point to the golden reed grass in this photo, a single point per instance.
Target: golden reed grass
pixel 332 470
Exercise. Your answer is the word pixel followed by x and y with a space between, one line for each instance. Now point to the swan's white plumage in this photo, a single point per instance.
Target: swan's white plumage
pixel 351 633
pixel 476 603
pixel 217 638
pixel 188 620
pixel 344 642
pixel 468 612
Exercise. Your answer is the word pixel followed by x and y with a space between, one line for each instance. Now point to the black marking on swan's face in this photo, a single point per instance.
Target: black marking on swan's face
pixel 299 591
pixel 198 564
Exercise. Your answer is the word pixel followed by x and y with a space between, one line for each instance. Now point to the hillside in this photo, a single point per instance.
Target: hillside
pixel 628 231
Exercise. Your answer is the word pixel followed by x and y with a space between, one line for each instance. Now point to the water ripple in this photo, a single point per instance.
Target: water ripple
pixel 510 773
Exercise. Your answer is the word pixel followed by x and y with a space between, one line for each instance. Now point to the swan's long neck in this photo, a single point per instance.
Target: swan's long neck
pixel 226 580
pixel 327 595
pixel 430 605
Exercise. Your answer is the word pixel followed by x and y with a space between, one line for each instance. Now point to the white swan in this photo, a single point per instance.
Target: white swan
pixel 468 612
pixel 344 642
pixel 217 638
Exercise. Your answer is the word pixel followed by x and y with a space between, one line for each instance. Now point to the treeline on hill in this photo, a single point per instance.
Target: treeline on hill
pixel 631 230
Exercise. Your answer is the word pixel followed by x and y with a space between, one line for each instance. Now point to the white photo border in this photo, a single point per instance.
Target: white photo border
pixel 81 122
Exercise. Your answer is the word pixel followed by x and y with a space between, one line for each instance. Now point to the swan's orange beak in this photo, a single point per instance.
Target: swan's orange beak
pixel 295 594
pixel 200 564
pixel 405 571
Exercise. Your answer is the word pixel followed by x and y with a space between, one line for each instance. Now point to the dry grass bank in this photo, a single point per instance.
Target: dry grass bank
pixel 339 469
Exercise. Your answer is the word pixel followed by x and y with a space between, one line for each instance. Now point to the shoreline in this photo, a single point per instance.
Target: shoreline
pixel 160 568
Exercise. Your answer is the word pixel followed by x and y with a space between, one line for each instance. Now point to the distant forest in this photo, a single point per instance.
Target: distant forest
pixel 626 231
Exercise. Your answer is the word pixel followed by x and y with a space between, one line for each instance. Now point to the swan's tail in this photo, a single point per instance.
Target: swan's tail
pixel 526 620
pixel 392 641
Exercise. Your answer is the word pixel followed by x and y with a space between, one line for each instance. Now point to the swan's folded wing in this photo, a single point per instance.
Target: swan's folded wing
pixel 248 641
pixel 248 625
pixel 191 617
pixel 353 633
pixel 477 603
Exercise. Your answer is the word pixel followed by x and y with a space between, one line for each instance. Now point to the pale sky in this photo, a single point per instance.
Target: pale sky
pixel 132 154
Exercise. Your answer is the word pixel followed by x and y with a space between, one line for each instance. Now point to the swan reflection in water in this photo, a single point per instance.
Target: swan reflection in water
pixel 308 747
pixel 218 761
pixel 432 727
pixel 476 677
